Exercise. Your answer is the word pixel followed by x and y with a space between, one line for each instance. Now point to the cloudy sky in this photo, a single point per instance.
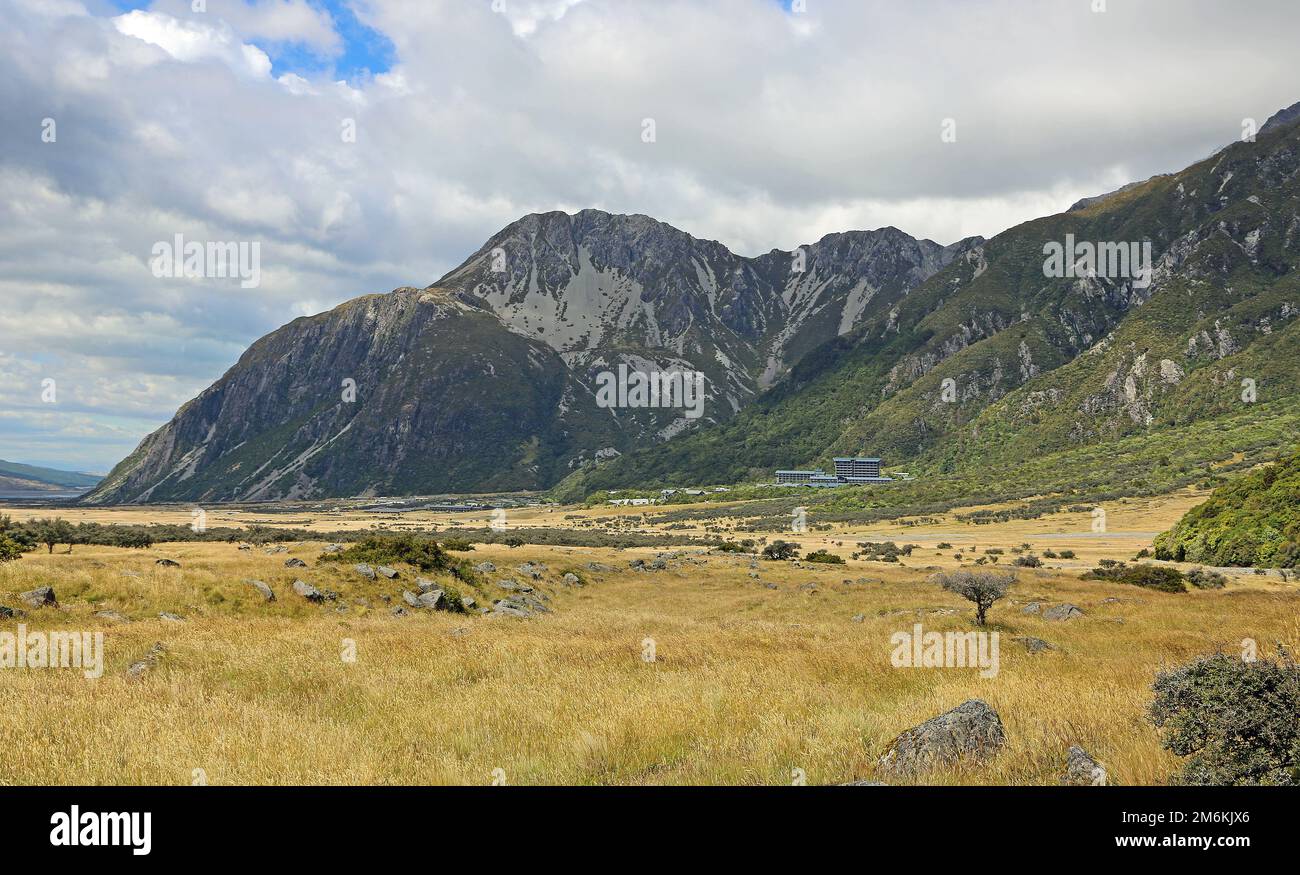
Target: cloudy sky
pixel 123 124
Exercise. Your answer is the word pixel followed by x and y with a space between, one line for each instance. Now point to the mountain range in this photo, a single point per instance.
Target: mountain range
pixel 19 478
pixel 942 358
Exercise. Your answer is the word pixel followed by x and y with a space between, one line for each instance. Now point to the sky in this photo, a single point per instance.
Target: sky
pixel 364 145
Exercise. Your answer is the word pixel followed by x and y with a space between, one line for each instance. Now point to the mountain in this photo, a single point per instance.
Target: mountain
pixel 487 379
pixel 1253 521
pixel 16 477
pixel 1036 364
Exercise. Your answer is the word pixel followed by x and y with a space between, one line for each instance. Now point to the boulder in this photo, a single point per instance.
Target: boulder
pixel 365 571
pixel 245 547
pixel 859 618
pixel 434 600
pixel 307 591
pixel 266 591
pixel 1062 612
pixel 531 569
pixel 1032 608
pixel 572 579
pixel 113 616
pixel 599 567
pixel 1081 770
pixel 485 568
pixel 331 549
pixel 971 732
pixel 390 573
pixel 42 596
pixel 468 602
pixel 7 613
pixel 169 617
pixel 167 563
pixel 425 584
pixel 278 548
pixel 1032 644
pixel 294 563
pixel 410 598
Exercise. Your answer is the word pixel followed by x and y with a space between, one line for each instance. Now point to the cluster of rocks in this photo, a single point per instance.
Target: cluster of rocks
pixel 1056 612
pixel 525 600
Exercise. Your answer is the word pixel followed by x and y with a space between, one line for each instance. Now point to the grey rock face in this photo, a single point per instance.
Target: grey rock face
pixel 1062 612
pixel 262 588
pixel 42 596
pixel 971 732
pixel 1081 770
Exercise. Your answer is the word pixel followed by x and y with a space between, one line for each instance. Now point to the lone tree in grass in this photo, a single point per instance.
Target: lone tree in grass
pixel 981 587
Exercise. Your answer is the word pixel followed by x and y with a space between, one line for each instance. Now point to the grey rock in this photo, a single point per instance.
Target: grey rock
pixel 468 602
pixel 572 579
pixel 7 613
pixel 1032 608
pixel 245 547
pixel 599 567
pixel 1032 644
pixel 424 584
pixel 294 563
pixel 148 662
pixel 278 548
pixel 390 573
pixel 114 616
pixel 399 611
pixel 169 617
pixel 266 591
pixel 434 600
pixel 307 591
pixel 971 732
pixel 410 598
pixel 42 596
pixel 485 568
pixel 1062 612
pixel 331 549
pixel 531 569
pixel 858 618
pixel 364 570
pixel 168 563
pixel 637 564
pixel 1081 770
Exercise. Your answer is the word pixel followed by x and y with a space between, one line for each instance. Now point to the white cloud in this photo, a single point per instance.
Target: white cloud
pixel 192 41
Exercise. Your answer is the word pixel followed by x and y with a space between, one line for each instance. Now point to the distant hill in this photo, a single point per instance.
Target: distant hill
pixel 1252 521
pixel 16 477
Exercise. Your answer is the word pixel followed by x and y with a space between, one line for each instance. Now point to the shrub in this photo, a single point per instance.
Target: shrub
pixel 1149 576
pixel 1202 578
pixel 1065 554
pixel 460 545
pixel 1029 561
pixel 944 545
pixel 1051 554
pixel 824 557
pixel 746 546
pixel 981 587
pixel 780 551
pixel 423 553
pixel 1235 721
pixel 9 549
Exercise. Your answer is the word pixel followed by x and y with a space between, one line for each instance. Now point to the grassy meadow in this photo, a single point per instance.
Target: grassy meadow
pixel 748 683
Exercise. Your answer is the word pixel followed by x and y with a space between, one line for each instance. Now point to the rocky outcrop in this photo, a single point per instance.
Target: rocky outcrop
pixel 970 733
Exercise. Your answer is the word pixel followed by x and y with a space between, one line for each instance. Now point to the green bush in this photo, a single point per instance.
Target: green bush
pixel 423 553
pixel 1234 721
pixel 9 550
pixel 824 557
pixel 1155 577
pixel 1202 578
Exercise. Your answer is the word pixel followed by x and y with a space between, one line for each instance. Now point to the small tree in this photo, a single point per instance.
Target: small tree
pixel 780 551
pixel 9 549
pixel 1235 721
pixel 981 587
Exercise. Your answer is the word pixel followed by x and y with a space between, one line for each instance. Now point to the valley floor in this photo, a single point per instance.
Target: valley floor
pixel 754 680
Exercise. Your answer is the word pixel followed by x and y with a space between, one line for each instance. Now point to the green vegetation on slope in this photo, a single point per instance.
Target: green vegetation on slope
pixel 1252 521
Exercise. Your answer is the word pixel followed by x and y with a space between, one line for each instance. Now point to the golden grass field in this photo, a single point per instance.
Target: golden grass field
pixel 748 685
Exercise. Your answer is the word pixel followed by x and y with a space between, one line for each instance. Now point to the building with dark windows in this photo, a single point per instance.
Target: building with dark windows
pixel 855 469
